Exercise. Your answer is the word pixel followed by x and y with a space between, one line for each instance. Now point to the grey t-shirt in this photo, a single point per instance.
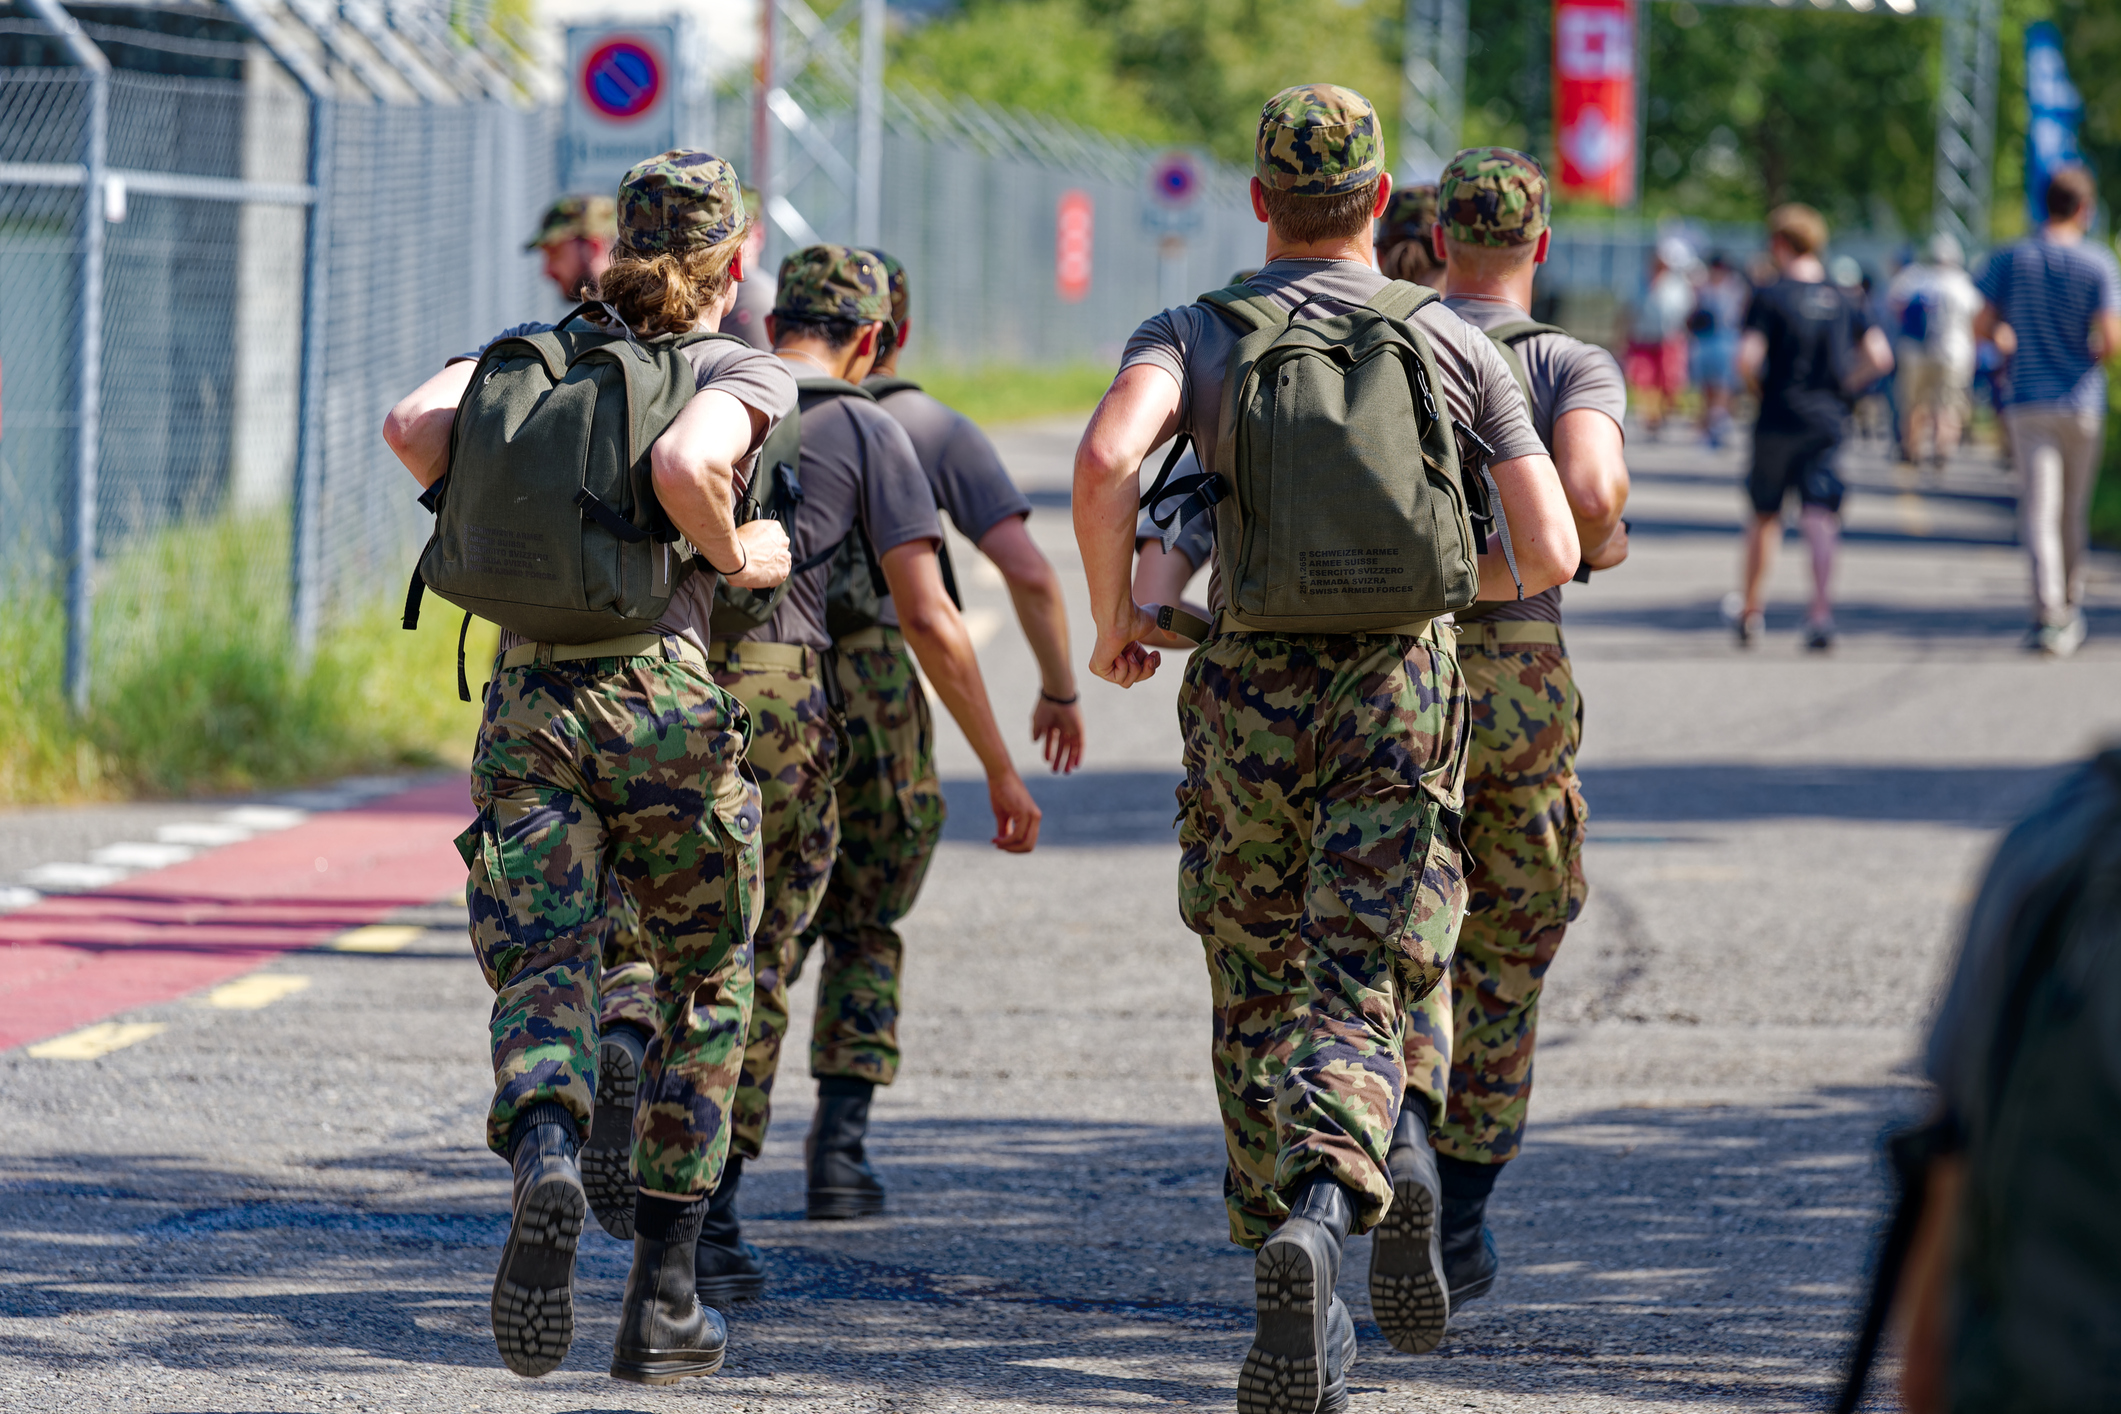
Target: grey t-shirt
pixel 1565 374
pixel 1192 343
pixel 858 465
pixel 963 469
pixel 757 380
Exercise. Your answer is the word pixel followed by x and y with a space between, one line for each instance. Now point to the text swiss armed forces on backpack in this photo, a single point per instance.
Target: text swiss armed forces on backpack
pixel 547 521
pixel 1340 499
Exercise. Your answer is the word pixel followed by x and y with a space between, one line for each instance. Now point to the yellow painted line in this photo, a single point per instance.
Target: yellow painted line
pixel 258 990
pixel 92 1041
pixel 377 937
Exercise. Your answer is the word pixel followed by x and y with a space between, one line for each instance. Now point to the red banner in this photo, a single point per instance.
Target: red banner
pixel 1072 243
pixel 1594 98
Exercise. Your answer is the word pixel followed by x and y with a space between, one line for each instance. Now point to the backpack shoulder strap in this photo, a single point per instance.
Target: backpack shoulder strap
pixel 1243 305
pixel 1399 299
pixel 816 389
pixel 884 385
pixel 1518 330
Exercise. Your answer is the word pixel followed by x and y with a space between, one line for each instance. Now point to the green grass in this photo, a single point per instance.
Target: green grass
pixel 196 688
pixel 2106 493
pixel 992 396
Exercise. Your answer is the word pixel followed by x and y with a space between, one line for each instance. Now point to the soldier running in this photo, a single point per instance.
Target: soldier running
pixel 612 770
pixel 864 492
pixel 1524 817
pixel 1323 769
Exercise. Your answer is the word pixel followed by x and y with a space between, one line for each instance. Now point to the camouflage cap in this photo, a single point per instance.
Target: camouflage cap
pixel 1493 196
pixel 682 200
pixel 593 218
pixel 1409 215
pixel 834 282
pixel 1318 139
pixel 895 275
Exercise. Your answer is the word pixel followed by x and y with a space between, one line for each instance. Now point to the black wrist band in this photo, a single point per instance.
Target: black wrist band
pixel 1059 701
pixel 726 573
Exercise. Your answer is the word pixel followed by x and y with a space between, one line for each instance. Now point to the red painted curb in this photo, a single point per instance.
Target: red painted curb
pixel 81 958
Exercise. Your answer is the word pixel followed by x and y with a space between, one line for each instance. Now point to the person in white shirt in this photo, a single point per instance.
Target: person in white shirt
pixel 1931 305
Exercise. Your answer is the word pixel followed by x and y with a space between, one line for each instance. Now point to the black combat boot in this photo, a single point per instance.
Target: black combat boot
pixel 1340 1358
pixel 727 1269
pixel 1469 1260
pixel 1408 1292
pixel 842 1185
pixel 1289 1367
pixel 607 1159
pixel 665 1334
pixel 533 1292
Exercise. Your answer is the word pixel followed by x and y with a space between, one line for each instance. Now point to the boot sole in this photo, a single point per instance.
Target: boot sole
pixel 723 1292
pixel 533 1292
pixel 667 1370
pixel 836 1204
pixel 607 1159
pixel 1284 1371
pixel 1407 1291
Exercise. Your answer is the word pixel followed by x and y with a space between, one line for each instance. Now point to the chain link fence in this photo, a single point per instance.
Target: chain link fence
pixel 206 282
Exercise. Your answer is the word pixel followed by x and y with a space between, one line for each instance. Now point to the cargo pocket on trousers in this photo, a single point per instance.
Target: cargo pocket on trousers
pixel 534 879
pixel 738 814
pixel 1576 824
pixel 1408 888
pixel 1199 844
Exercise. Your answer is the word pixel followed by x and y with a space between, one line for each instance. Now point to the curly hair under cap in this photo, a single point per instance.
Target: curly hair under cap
pixel 671 291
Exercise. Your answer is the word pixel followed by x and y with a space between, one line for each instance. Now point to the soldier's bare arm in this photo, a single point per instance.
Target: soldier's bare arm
pixel 418 428
pixel 1161 577
pixel 937 636
pixel 1035 591
pixel 1542 532
pixel 694 465
pixel 1591 457
pixel 1139 411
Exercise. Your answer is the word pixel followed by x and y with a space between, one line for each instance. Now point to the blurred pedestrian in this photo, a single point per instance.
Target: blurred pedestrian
pixel 755 296
pixel 575 234
pixel 2053 306
pixel 1404 250
pixel 1808 350
pixel 2002 1264
pixel 1719 310
pixel 1657 333
pixel 1930 309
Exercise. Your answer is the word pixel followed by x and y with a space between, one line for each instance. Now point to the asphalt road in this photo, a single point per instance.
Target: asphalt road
pixel 288 1206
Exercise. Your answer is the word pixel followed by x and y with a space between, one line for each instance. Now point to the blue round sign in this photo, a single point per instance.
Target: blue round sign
pixel 622 78
pixel 1175 179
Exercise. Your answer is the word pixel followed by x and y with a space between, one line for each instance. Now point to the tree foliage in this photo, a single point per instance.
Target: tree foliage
pixel 1748 106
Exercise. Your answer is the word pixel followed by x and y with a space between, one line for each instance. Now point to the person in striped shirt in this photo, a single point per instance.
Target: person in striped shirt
pixel 2053 305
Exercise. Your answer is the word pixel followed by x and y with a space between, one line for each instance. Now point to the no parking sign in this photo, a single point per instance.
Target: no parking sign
pixel 624 101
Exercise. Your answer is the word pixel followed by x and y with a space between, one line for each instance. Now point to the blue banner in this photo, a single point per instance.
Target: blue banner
pixel 2051 138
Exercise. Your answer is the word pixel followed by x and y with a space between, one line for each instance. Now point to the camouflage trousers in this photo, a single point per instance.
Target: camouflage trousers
pixel 1319 863
pixel 1469 1052
pixel 794 751
pixel 616 775
pixel 891 815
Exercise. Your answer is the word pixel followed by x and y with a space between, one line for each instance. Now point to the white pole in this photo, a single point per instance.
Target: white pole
pixel 869 130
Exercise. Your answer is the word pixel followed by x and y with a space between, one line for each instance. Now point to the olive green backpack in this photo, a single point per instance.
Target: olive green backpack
pixel 547 521
pixel 854 588
pixel 1341 502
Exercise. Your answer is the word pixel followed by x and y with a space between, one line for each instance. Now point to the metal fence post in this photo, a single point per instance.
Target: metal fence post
pixel 306 593
pixel 88 393
pixel 869 130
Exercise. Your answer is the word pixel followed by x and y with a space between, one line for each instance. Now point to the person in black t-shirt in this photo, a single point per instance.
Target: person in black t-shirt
pixel 1808 349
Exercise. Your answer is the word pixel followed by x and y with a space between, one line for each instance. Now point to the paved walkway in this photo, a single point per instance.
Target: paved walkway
pixel 278 1199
